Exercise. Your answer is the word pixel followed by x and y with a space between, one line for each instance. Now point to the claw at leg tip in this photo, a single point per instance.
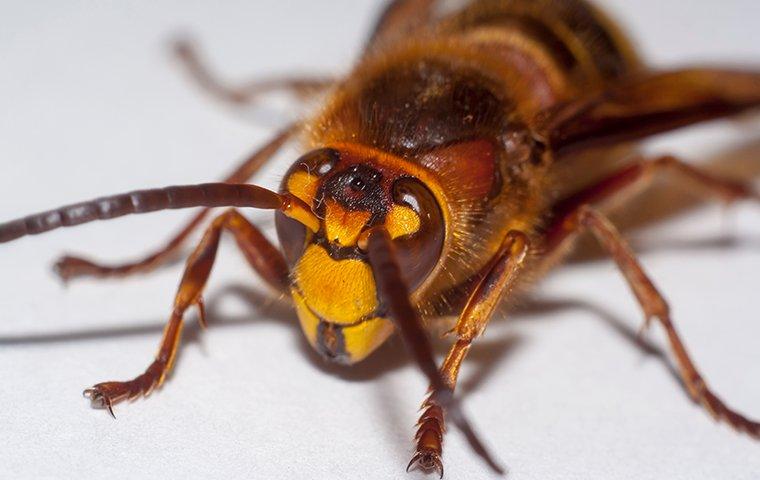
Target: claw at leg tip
pixel 413 460
pixel 427 462
pixel 97 400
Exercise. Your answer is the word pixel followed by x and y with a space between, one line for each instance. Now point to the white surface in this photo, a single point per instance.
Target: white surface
pixel 90 105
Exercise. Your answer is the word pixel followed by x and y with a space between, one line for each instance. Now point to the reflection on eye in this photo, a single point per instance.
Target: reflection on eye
pixel 325 167
pixel 410 200
pixel 319 162
pixel 416 224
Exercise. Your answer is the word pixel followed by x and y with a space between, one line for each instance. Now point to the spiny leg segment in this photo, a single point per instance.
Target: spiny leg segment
pixel 655 307
pixel 500 277
pixel 394 296
pixel 576 215
pixel 265 259
pixel 503 272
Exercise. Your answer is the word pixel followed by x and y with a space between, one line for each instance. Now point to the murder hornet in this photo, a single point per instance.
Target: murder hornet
pixel 459 160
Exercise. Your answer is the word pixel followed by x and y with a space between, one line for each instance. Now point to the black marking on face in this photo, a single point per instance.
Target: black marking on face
pixel 358 187
pixel 331 343
pixel 338 252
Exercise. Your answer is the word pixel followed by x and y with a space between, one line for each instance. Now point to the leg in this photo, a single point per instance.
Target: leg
pixel 69 267
pixel 655 307
pixel 265 259
pixel 499 279
pixel 301 87
pixel 639 175
pixel 394 295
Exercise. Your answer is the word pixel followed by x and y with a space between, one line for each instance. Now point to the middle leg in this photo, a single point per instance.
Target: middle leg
pixel 69 267
pixel 655 308
pixel 576 214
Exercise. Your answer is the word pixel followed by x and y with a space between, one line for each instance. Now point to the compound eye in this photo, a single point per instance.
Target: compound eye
pixel 408 192
pixel 292 235
pixel 303 180
pixel 418 250
pixel 326 166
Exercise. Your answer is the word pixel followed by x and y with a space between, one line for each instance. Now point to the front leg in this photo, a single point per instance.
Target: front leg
pixel 394 295
pixel 499 279
pixel 265 259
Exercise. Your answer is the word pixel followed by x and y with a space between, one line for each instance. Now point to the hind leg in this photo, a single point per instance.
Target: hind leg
pixel 637 177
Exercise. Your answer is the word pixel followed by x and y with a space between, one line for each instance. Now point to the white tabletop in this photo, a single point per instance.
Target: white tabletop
pixel 91 104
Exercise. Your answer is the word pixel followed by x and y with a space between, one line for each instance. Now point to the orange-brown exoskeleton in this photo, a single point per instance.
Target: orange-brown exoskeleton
pixel 463 155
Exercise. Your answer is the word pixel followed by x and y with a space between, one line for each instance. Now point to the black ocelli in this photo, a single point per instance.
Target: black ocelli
pixel 358 187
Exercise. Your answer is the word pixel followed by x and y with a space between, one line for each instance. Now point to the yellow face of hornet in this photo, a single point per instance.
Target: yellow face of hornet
pixel 352 189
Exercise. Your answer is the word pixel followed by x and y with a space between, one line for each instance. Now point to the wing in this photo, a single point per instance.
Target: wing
pixel 646 105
